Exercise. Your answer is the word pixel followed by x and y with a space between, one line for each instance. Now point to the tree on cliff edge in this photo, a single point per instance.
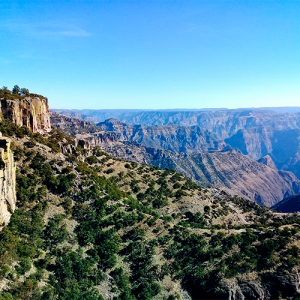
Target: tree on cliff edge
pixel 24 92
pixel 16 90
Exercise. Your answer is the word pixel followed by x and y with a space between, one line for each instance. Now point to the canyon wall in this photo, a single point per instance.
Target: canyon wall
pixel 31 111
pixel 7 181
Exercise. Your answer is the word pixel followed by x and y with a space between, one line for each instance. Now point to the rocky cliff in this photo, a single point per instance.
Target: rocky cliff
pixel 7 181
pixel 30 111
pixel 268 161
pixel 72 125
pixel 187 139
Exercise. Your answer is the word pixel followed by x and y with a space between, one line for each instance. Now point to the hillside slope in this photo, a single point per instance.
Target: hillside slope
pixel 90 226
pixel 229 170
pixel 290 204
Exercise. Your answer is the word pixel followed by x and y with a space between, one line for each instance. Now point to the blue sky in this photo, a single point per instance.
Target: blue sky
pixel 153 54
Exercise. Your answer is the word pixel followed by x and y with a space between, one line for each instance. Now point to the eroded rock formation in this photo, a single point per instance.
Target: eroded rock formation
pixel 71 125
pixel 7 181
pixel 31 111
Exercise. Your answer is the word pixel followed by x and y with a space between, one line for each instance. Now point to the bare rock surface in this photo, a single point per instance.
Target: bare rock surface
pixel 30 111
pixel 268 161
pixel 7 181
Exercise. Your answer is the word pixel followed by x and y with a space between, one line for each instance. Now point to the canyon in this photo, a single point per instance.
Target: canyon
pixel 170 146
pixel 96 201
pixel 254 132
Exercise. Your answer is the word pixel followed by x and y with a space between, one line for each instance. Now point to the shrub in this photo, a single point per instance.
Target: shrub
pixel 109 171
pixel 24 266
pixel 92 159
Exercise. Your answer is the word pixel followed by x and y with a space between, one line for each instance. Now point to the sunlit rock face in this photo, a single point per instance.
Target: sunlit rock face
pixel 32 112
pixel 7 182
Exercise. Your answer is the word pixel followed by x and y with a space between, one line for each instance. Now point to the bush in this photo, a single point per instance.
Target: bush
pixel 24 266
pixel 109 171
pixel 92 159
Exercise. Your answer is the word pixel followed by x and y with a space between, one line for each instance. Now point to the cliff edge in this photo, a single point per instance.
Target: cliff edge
pixel 7 181
pixel 31 111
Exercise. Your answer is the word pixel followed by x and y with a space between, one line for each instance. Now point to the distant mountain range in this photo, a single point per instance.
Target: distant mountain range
pixel 187 139
pixel 190 150
pixel 126 115
pixel 254 133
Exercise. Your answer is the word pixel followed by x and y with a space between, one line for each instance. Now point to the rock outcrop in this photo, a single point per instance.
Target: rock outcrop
pixel 268 161
pixel 30 111
pixel 7 181
pixel 72 125
pixel 187 139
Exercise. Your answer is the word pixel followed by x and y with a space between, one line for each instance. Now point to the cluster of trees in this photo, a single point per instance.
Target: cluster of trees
pixel 9 128
pixel 15 91
pixel 192 254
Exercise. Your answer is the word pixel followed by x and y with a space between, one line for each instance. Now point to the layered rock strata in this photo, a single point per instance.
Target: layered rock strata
pixel 32 112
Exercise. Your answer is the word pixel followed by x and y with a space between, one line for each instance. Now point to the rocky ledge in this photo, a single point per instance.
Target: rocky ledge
pixel 30 111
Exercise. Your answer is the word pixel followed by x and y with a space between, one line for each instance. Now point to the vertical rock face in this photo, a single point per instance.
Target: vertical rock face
pixel 7 181
pixel 31 111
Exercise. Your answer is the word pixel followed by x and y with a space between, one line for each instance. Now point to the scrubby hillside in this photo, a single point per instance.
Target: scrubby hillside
pixel 90 226
pixel 227 169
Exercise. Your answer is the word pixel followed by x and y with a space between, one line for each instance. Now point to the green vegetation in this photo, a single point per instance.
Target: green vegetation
pixel 85 219
pixel 16 93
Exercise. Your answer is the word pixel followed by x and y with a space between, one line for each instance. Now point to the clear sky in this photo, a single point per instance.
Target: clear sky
pixel 153 54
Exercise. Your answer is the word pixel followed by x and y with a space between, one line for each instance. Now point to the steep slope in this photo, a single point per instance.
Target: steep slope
pixel 169 137
pixel 71 125
pixel 290 204
pixel 228 170
pixel 268 161
pixel 31 111
pixel 90 224
pixel 7 181
pixel 293 163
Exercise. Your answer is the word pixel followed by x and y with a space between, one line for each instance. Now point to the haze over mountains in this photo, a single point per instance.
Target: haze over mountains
pixel 200 145
pixel 100 115
pixel 255 132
